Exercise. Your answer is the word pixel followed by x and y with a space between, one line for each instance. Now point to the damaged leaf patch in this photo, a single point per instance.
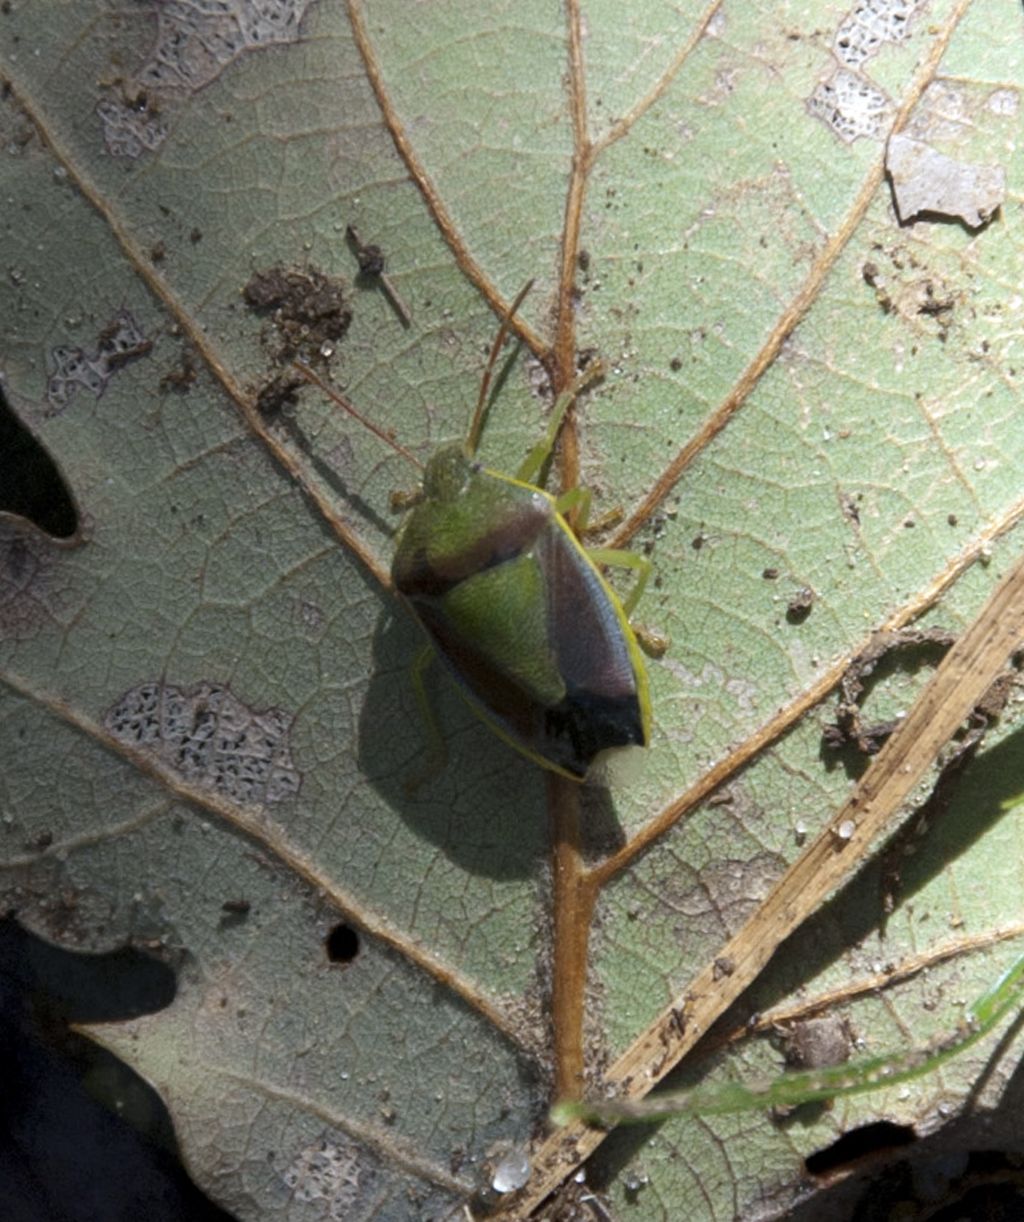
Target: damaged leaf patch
pixel 210 738
pixel 122 341
pixel 193 45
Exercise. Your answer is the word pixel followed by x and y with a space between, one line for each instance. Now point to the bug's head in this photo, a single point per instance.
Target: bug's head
pixel 447 473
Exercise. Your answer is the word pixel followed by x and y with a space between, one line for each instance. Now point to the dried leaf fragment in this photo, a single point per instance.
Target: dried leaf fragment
pixel 925 180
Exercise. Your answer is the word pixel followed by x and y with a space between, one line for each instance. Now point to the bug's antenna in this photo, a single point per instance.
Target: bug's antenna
pixel 338 398
pixel 477 423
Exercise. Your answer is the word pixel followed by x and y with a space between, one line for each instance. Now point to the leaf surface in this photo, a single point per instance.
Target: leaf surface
pixel 809 416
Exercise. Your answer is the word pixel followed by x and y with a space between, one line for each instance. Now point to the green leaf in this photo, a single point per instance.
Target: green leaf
pixel 810 418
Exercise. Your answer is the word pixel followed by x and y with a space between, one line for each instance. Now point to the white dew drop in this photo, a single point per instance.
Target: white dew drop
pixel 512 1172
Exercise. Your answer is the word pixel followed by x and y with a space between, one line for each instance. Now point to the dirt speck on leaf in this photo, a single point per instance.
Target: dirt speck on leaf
pixel 181 377
pixel 814 1043
pixel 799 606
pixel 305 311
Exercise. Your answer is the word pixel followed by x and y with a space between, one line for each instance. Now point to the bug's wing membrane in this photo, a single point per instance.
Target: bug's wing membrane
pixel 603 706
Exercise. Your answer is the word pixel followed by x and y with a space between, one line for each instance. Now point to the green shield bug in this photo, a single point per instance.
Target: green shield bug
pixel 511 601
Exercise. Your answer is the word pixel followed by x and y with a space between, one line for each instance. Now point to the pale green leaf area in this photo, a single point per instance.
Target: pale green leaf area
pixel 206 694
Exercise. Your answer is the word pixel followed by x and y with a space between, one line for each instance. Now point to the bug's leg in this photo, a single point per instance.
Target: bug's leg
pixel 603 521
pixel 620 559
pixel 578 499
pixel 437 753
pixel 538 456
pixel 652 642
pixel 583 526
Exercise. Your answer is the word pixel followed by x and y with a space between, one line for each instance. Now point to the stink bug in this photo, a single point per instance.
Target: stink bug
pixel 511 601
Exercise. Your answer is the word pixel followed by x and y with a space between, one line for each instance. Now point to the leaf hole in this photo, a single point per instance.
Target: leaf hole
pixel 342 944
pixel 858 1144
pixel 31 484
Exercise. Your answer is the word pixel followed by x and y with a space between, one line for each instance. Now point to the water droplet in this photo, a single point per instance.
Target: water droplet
pixel 512 1172
pixel 634 1183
